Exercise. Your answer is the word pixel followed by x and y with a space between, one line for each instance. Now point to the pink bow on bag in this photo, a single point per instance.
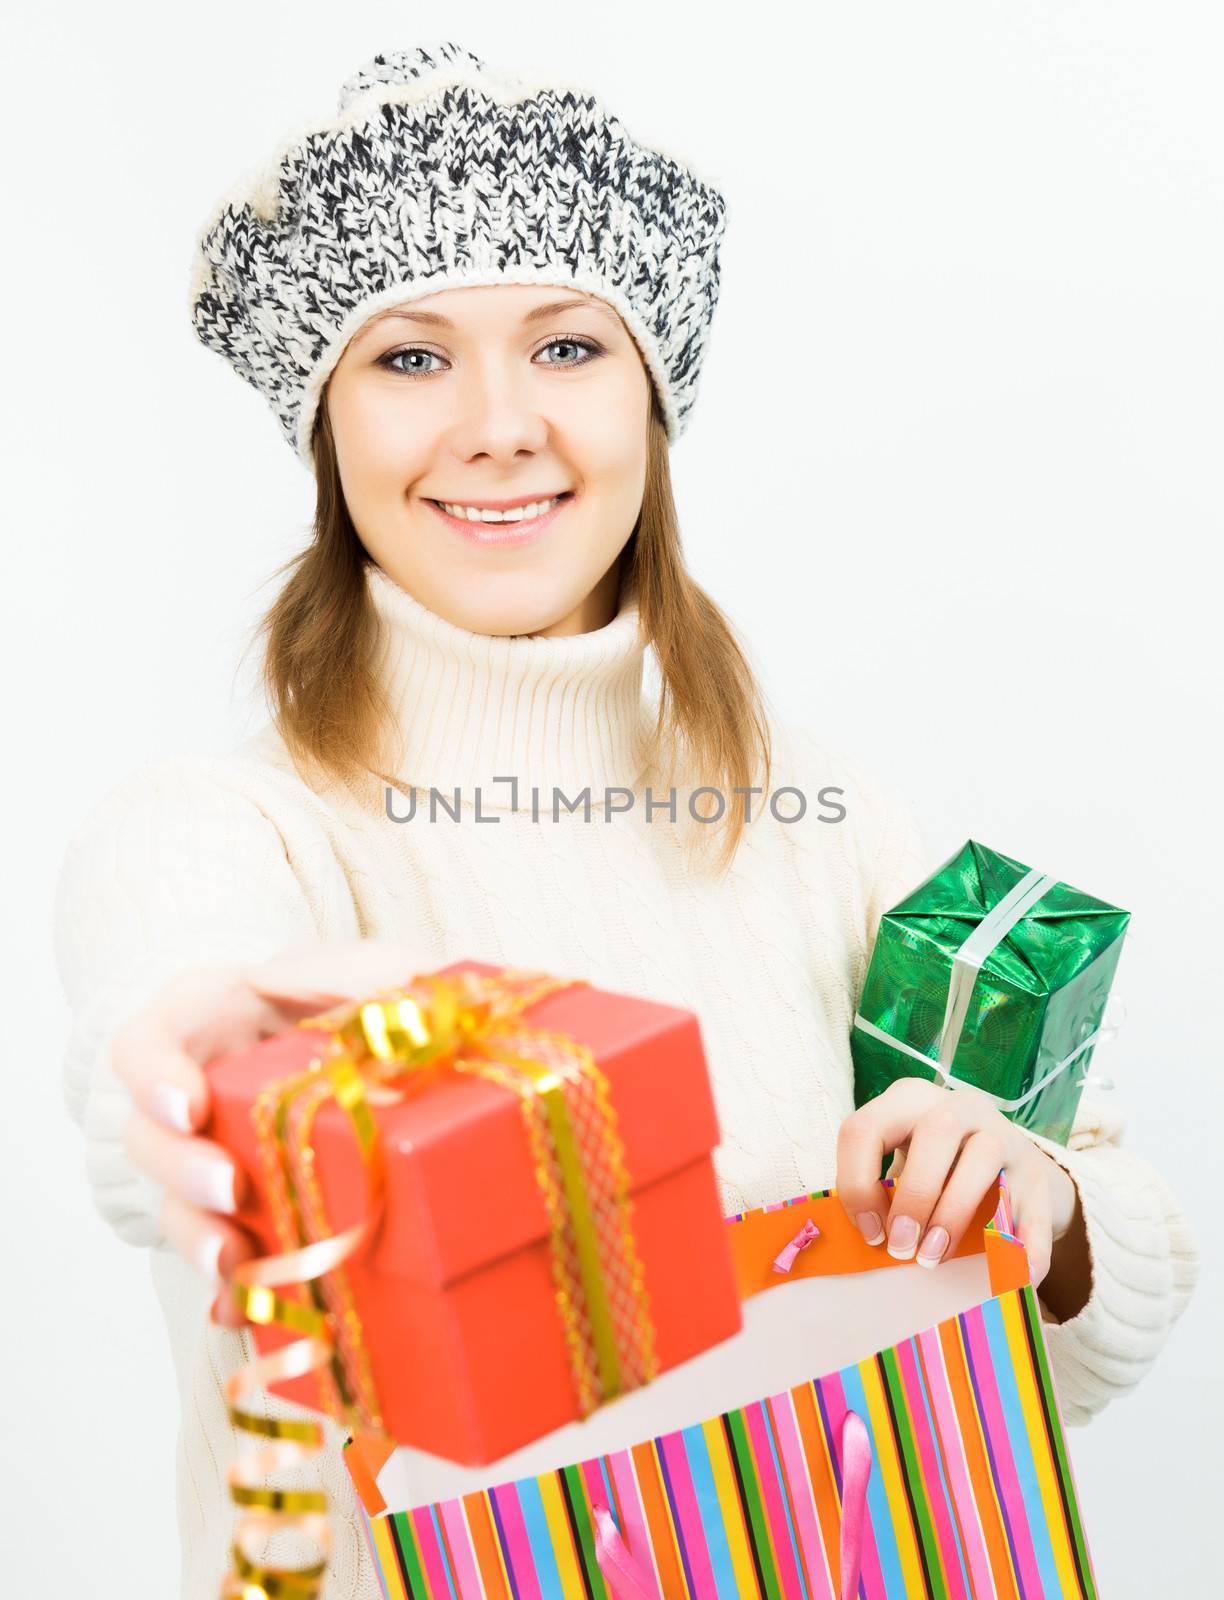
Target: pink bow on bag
pixel 785 1258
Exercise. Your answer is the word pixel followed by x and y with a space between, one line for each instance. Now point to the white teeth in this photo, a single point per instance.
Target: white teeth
pixel 537 508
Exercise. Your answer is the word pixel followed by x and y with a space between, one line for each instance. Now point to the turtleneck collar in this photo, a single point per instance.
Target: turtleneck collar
pixel 471 707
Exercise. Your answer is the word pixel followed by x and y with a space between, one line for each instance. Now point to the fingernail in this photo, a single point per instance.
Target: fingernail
pixel 170 1105
pixel 934 1243
pixel 870 1226
pixel 902 1238
pixel 208 1257
pixel 211 1184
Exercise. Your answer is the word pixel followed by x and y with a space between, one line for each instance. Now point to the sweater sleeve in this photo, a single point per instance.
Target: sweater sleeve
pixel 1144 1264
pixel 173 868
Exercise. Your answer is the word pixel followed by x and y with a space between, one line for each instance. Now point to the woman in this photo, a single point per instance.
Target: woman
pixel 464 296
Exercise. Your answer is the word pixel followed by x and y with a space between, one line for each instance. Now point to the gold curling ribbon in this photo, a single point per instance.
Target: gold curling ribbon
pixel 380 1051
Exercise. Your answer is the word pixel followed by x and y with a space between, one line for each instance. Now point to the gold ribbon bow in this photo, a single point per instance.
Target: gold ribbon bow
pixel 380 1051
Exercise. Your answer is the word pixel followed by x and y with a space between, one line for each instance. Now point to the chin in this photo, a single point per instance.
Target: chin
pixel 501 610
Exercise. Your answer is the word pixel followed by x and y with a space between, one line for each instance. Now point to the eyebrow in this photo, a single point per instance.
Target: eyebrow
pixel 433 319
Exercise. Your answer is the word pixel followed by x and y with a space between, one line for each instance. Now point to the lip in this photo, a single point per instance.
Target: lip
pixel 502 505
pixel 487 533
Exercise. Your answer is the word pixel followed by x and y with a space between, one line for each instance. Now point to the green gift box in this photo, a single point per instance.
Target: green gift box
pixel 993 974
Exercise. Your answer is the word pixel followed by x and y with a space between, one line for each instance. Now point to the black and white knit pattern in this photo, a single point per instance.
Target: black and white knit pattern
pixel 434 174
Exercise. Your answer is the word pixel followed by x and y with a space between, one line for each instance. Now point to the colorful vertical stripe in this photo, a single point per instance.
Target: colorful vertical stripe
pixel 970 1494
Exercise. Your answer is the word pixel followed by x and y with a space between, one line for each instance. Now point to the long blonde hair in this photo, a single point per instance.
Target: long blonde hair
pixel 328 706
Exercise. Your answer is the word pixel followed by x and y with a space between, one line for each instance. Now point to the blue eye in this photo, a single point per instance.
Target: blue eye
pixel 388 360
pixel 589 345
pixel 592 347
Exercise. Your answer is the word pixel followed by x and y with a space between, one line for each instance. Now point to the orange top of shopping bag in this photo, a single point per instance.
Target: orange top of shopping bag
pixel 758 1236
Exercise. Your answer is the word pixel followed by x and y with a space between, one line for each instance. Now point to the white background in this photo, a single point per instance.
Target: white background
pixel 954 471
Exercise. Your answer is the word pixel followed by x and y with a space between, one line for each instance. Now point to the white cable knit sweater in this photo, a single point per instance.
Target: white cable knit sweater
pixel 197 860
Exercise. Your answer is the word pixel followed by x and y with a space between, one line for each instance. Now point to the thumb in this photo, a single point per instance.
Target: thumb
pixel 312 977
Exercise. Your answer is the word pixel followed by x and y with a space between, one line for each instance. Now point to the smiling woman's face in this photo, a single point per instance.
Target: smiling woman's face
pixel 488 394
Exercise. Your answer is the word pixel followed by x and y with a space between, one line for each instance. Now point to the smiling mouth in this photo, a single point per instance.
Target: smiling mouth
pixel 504 528
pixel 530 511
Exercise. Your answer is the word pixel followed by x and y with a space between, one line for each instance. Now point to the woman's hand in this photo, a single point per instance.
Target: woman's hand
pixel 159 1054
pixel 954 1144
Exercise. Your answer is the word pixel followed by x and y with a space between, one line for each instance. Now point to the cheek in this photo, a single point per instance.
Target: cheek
pixel 377 455
pixel 609 434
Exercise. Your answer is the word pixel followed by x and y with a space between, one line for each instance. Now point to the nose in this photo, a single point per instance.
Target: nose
pixel 498 414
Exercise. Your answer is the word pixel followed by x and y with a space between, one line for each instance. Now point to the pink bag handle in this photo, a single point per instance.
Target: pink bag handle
pixel 856 1470
pixel 622 1572
pixel 628 1580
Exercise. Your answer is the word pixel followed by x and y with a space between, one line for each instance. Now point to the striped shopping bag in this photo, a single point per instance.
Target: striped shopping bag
pixel 783 1463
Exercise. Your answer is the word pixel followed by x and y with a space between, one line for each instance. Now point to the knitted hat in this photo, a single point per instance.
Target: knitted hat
pixel 435 173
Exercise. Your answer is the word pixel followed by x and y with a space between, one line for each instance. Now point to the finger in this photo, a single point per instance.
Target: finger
pixel 976 1172
pixel 214 1010
pixel 314 976
pixel 931 1155
pixel 1033 1216
pixel 882 1124
pixel 862 1140
pixel 159 1052
pixel 864 1198
pixel 165 1083
pixel 897 1110
pixel 214 1247
pixel 198 1170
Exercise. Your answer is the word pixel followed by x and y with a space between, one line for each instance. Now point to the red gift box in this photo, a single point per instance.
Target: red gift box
pixel 455 1293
